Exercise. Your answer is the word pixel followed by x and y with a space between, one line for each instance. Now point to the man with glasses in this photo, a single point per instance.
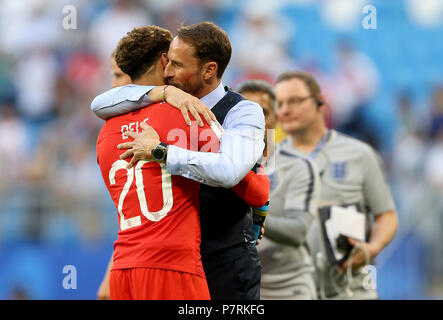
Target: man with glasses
pixel 352 182
pixel 288 271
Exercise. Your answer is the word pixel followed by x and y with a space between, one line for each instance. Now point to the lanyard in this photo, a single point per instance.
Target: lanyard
pixel 319 145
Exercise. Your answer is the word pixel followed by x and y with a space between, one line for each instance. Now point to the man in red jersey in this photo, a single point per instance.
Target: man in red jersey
pixel 157 254
pixel 186 103
pixel 119 78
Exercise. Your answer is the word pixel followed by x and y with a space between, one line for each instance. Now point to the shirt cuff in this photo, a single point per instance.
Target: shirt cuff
pixel 139 92
pixel 176 159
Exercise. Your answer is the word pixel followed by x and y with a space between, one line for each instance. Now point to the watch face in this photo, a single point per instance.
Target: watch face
pixel 158 154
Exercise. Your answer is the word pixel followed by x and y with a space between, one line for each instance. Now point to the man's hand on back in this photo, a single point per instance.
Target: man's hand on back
pixel 140 149
pixel 184 102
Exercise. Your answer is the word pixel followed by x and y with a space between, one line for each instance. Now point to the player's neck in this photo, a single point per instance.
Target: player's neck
pixel 149 80
pixel 152 77
pixel 308 139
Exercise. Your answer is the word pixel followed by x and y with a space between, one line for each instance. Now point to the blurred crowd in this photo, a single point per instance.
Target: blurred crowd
pixel 50 184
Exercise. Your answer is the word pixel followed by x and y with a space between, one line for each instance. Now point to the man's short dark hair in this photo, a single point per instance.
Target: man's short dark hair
pixel 141 48
pixel 307 79
pixel 211 43
pixel 258 85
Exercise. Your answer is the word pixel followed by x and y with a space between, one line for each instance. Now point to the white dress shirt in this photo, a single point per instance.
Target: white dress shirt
pixel 241 144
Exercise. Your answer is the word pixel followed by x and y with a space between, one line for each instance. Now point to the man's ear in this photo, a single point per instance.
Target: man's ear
pixel 320 100
pixel 164 60
pixel 209 70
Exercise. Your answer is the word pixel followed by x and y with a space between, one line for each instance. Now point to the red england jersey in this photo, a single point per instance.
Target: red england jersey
pixel 158 213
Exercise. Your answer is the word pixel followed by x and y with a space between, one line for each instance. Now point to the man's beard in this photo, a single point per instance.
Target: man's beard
pixel 186 87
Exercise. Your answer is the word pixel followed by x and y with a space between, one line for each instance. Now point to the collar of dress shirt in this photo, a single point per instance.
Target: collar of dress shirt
pixel 214 96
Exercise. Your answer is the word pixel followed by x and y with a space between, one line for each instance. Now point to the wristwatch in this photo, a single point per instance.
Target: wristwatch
pixel 159 152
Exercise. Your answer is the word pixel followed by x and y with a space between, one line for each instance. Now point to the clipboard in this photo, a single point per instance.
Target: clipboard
pixel 337 223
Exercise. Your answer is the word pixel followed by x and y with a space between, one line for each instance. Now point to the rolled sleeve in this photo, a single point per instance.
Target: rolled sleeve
pixel 214 169
pixel 241 146
pixel 121 100
pixel 375 187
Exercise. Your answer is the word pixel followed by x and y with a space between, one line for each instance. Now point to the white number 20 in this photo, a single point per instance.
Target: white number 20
pixel 166 190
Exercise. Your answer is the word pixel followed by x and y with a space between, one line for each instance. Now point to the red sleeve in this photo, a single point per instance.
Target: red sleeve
pixel 254 189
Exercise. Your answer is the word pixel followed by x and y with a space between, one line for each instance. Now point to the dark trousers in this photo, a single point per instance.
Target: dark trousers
pixel 233 273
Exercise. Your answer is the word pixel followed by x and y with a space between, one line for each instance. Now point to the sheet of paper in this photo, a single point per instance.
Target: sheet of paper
pixel 348 222
pixel 332 239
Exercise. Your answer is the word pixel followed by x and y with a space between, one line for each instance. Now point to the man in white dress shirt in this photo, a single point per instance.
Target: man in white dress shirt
pixel 198 56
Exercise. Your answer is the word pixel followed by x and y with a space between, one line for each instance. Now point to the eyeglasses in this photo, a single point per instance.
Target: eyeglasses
pixel 296 101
